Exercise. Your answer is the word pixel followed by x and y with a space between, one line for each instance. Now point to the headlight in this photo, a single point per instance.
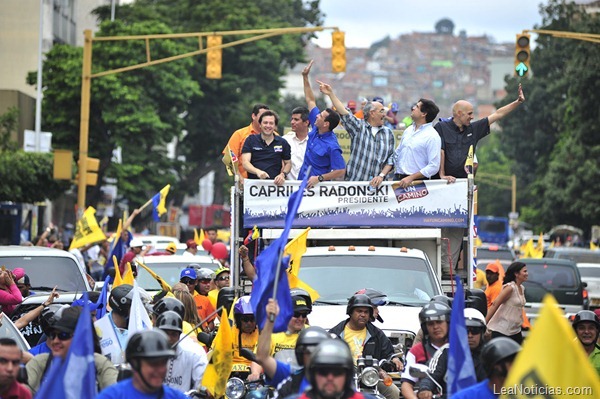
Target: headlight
pixel 369 376
pixel 235 388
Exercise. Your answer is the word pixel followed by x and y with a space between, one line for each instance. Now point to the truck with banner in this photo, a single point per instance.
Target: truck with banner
pixel 387 238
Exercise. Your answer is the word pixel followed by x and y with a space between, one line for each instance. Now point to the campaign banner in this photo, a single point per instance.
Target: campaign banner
pixel 431 203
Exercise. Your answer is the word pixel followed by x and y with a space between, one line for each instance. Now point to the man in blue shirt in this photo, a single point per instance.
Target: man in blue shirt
pixel 267 155
pixel 323 152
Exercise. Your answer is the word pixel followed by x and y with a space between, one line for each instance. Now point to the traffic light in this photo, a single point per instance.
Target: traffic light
pixel 338 52
pixel 214 58
pixel 522 55
pixel 91 171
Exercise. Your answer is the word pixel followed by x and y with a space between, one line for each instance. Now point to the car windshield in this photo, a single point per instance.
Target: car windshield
pixel 501 254
pixel 45 272
pixel 590 272
pixel 169 272
pixel 552 276
pixel 336 278
pixel 581 257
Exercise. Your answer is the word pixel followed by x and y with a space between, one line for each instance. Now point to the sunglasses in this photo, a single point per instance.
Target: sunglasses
pixel 205 280
pixel 222 278
pixel 334 372
pixel 300 314
pixel 474 330
pixel 188 281
pixel 63 336
pixel 247 318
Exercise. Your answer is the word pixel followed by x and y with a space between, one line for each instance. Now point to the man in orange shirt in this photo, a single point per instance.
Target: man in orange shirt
pixel 190 278
pixel 492 275
pixel 237 139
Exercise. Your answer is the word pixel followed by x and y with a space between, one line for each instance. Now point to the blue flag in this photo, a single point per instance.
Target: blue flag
pixel 102 299
pixel 158 203
pixel 117 249
pixel 75 377
pixel 461 372
pixel 266 264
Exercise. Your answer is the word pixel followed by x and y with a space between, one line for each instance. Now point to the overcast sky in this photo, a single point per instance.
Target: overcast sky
pixel 366 22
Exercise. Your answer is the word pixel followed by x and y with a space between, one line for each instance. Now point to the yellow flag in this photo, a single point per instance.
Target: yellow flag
pixel 87 230
pixel 552 361
pixel 128 276
pixel 230 160
pixel 593 246
pixel 469 163
pixel 164 285
pixel 215 376
pixel 295 249
pixel 118 279
pixel 160 202
pixel 199 238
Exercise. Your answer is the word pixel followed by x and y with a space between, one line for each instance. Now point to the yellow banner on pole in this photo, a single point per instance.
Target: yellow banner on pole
pixel 87 230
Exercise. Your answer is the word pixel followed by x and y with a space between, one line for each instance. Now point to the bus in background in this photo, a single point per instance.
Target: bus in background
pixel 493 229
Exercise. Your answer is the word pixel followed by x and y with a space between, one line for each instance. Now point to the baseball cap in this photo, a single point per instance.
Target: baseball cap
pixel 352 104
pixel 189 273
pixel 300 304
pixel 378 99
pixel 171 247
pixel 493 267
pixel 395 107
pixel 136 242
pixel 191 243
pixel 221 270
pixel 24 280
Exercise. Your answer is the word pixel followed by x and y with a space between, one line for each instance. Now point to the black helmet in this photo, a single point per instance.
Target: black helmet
pixel 359 301
pixel 119 301
pixel 308 339
pixel 169 303
pixel 49 315
pixel 169 320
pixel 377 298
pixel 302 294
pixel 497 350
pixel 586 315
pixel 148 344
pixel 442 299
pixel 433 311
pixel 332 353
pixel 225 297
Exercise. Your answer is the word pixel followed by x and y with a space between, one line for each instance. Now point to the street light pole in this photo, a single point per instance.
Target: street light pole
pixel 86 84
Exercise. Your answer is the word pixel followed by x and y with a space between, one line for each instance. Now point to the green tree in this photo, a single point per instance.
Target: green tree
pixel 553 139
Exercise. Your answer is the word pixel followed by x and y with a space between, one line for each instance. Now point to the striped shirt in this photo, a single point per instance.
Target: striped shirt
pixel 368 154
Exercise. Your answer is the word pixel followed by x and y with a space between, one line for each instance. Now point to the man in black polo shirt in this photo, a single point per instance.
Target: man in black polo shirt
pixel 458 134
pixel 266 155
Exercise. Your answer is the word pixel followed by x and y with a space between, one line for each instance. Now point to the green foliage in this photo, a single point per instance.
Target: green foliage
pixel 554 138
pixel 8 125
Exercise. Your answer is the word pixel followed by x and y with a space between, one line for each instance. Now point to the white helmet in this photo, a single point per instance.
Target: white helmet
pixel 474 318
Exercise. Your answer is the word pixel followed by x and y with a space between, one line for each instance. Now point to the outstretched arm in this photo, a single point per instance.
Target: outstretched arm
pixel 308 93
pixel 508 108
pixel 263 350
pixel 328 91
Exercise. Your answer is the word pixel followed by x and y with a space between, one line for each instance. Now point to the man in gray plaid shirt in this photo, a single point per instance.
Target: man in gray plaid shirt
pixel 371 143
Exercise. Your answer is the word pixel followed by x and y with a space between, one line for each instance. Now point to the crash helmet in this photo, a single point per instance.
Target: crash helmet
pixel 242 307
pixel 169 303
pixel 498 350
pixel 474 318
pixel 442 299
pixel 49 315
pixel 220 270
pixel 148 344
pixel 169 320
pixel 120 300
pixel 433 311
pixel 308 339
pixel 205 273
pixel 586 315
pixel 331 353
pixel 359 300
pixel 299 293
pixel 377 298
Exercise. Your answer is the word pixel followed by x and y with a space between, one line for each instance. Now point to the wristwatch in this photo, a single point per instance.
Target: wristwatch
pixel 285 174
pixel 320 178
pixel 382 175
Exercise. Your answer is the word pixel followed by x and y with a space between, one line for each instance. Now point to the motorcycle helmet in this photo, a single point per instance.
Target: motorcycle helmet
pixel 332 353
pixel 242 307
pixel 307 340
pixel 148 344
pixel 169 303
pixel 120 301
pixel 586 315
pixel 498 350
pixel 442 299
pixel 359 300
pixel 205 274
pixel 433 311
pixel 49 316
pixel 169 320
pixel 474 318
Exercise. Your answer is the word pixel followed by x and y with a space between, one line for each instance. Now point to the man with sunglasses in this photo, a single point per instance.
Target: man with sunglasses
pixel 364 339
pixel 10 362
pixel 198 285
pixel 475 323
pixel 220 280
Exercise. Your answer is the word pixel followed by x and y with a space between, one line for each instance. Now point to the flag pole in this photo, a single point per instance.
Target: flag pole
pixel 215 312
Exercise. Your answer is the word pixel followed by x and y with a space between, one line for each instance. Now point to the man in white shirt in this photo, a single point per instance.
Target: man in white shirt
pixel 297 138
pixel 192 248
pixel 418 154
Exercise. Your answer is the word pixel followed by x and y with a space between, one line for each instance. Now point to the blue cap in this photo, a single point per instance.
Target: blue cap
pixel 189 273
pixel 395 107
pixel 378 99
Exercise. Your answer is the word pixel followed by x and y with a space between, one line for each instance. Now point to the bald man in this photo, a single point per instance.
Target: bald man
pixel 458 134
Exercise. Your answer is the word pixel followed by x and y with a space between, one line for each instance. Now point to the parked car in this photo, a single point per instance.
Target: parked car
pixel 488 253
pixel 169 268
pixel 559 277
pixel 576 254
pixel 590 274
pixel 47 268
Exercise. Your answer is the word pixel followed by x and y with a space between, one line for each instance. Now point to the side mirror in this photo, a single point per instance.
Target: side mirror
pixel 248 354
pixel 418 370
pixel 206 338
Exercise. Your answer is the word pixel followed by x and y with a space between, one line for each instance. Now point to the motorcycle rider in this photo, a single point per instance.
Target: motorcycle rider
pixel 148 353
pixel 377 298
pixel 186 368
pixel 112 328
pixel 475 323
pixel 587 327
pixel 365 339
pixel 245 334
pixel 331 372
pixel 282 375
pixel 435 322
pixel 497 357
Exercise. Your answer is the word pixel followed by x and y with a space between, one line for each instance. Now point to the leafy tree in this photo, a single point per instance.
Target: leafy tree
pixel 554 138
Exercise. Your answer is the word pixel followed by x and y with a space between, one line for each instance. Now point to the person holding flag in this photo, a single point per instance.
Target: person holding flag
pixel 148 352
